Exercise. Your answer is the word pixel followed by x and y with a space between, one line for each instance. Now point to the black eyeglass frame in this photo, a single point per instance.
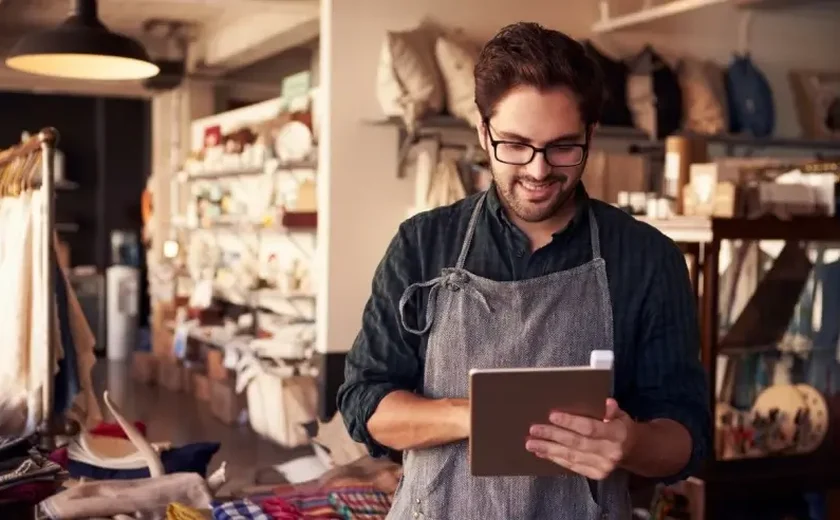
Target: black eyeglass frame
pixel 584 147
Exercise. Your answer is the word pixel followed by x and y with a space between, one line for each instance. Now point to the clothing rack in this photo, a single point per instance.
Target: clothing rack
pixel 44 143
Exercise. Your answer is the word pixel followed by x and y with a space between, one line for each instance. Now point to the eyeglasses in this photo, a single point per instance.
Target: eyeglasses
pixel 519 154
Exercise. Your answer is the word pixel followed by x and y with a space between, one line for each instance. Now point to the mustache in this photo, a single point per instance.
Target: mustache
pixel 559 177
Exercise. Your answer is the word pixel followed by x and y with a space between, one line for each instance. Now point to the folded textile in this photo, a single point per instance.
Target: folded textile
pixel 178 511
pixel 127 497
pixel 243 509
pixel 279 509
pixel 361 504
pixel 33 468
pixel 107 451
pixel 192 458
pixel 29 492
pixel 312 509
pixel 309 505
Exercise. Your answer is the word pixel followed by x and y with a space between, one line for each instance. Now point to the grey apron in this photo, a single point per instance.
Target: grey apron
pixel 473 322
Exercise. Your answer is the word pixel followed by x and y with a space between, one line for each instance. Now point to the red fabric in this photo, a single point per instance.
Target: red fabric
pixel 107 429
pixel 60 457
pixel 29 492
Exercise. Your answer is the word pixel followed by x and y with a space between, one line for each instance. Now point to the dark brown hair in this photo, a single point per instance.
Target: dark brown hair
pixel 529 54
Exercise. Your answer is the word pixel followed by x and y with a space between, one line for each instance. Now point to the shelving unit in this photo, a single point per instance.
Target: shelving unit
pixel 442 128
pixel 761 476
pixel 783 474
pixel 610 138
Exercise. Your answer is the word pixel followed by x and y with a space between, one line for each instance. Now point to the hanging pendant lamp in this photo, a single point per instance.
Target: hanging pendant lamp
pixel 82 48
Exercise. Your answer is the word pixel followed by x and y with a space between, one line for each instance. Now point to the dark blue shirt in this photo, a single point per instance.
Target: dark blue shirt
pixel 657 374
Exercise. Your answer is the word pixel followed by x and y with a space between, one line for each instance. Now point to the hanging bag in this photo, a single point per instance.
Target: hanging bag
pixel 750 99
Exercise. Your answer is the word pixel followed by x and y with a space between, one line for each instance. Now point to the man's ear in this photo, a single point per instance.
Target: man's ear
pixel 481 132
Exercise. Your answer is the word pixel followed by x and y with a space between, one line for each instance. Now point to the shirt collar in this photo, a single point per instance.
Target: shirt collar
pixel 497 210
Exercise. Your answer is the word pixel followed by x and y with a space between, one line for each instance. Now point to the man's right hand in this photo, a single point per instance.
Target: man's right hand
pixel 404 421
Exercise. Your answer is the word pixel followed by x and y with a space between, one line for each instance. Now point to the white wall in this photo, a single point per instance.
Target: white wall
pixel 362 201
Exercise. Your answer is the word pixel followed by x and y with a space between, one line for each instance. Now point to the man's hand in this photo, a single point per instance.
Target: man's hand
pixel 586 446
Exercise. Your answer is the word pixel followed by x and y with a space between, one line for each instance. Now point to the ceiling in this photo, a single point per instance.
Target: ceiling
pixel 228 34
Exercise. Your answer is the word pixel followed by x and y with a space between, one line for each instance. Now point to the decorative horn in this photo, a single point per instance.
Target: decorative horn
pixel 146 450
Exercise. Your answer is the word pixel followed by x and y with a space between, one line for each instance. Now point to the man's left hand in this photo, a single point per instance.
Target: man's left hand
pixel 593 448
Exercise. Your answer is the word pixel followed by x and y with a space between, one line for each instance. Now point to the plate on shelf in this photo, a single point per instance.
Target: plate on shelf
pixel 293 142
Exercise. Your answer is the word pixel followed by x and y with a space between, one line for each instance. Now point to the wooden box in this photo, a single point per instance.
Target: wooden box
pixel 170 374
pixel 225 403
pixel 215 365
pixel 201 386
pixel 144 367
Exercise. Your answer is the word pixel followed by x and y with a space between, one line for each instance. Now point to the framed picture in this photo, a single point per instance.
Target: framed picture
pixel 817 97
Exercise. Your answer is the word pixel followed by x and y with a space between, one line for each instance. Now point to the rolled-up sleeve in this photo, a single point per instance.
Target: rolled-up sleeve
pixel 384 357
pixel 670 381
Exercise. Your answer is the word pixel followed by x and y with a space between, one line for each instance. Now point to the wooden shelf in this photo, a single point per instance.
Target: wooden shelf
pixel 698 230
pixel 771 228
pixel 271 166
pixel 432 124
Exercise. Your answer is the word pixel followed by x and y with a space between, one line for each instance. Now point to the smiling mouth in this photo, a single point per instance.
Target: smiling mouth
pixel 538 190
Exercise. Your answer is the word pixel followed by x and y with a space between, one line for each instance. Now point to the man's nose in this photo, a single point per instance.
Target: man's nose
pixel 538 168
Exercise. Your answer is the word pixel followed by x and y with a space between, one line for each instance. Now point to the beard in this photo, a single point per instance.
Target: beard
pixel 536 201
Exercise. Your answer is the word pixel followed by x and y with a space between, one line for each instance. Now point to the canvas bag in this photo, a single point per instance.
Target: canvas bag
pixel 654 95
pixel 456 57
pixel 279 402
pixel 408 82
pixel 704 101
pixel 750 99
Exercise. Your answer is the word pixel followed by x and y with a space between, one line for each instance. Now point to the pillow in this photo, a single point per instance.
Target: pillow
pixel 653 95
pixel 704 112
pixel 456 58
pixel 408 81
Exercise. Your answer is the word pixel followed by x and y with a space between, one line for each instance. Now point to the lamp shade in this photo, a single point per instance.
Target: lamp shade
pixel 82 48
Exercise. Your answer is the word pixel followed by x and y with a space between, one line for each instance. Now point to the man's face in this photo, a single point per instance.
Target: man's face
pixel 536 191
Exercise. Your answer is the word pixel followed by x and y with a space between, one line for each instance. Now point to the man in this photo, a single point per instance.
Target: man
pixel 530 273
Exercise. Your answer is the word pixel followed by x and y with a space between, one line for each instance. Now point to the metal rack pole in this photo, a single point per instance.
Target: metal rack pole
pixel 48 138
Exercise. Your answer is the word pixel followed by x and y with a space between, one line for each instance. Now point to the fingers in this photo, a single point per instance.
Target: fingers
pixel 591 457
pixel 601 449
pixel 613 410
pixel 608 429
pixel 583 463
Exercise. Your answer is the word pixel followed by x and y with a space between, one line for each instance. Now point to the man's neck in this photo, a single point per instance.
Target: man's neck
pixel 541 233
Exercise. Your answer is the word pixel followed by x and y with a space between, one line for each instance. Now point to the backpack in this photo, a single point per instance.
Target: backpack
pixel 749 98
pixel 615 111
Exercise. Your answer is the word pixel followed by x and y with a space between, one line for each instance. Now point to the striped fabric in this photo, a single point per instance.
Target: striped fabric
pixel 243 509
pixel 304 505
pixel 360 504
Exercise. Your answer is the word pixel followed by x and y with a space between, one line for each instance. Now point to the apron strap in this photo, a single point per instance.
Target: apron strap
pixel 435 284
pixel 465 248
pixel 594 236
pixel 452 280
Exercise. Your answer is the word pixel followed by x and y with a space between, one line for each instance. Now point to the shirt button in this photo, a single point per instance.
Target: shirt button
pixel 520 253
